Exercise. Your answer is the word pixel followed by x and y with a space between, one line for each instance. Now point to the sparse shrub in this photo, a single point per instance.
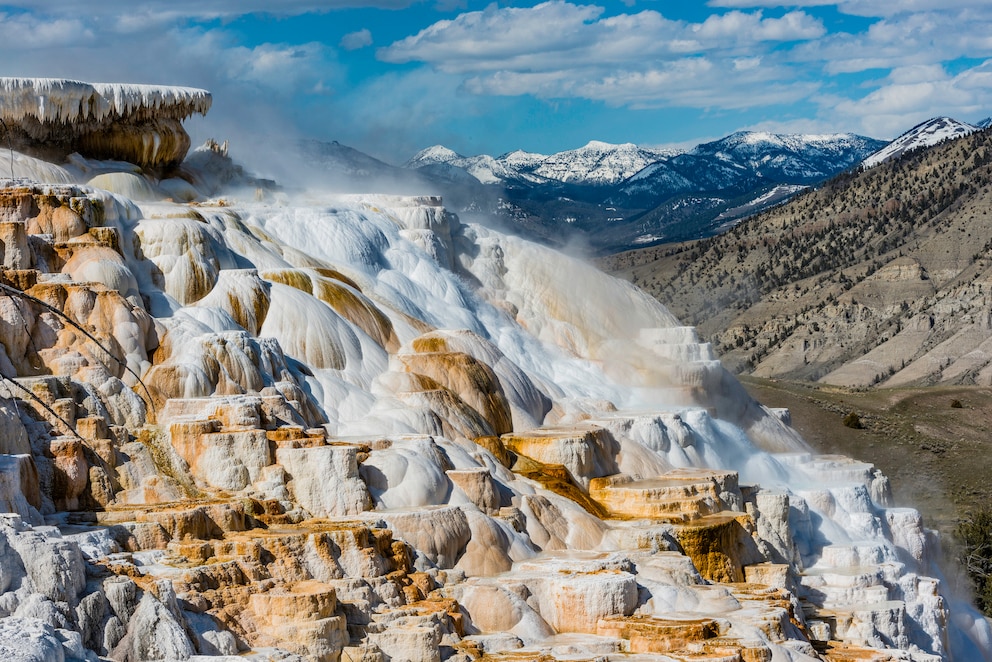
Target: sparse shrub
pixel 956 404
pixel 974 533
pixel 853 421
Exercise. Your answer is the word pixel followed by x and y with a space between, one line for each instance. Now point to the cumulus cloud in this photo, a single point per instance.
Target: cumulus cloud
pixel 910 95
pixel 870 8
pixel 355 40
pixel 559 50
pixel 555 33
pixel 499 37
pixel 738 26
pixel 26 31
pixel 926 38
pixel 692 82
pixel 736 59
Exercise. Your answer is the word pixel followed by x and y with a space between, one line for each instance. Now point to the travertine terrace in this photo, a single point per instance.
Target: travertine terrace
pixel 358 429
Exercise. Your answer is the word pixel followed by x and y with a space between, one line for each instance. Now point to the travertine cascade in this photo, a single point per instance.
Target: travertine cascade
pixel 358 429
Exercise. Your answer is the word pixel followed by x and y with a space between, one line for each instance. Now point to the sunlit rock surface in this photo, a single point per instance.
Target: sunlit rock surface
pixel 357 429
pixel 52 118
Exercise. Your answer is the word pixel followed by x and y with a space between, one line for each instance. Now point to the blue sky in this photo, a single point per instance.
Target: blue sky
pixel 393 76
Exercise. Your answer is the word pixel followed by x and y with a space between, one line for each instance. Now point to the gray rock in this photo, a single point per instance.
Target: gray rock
pixel 29 640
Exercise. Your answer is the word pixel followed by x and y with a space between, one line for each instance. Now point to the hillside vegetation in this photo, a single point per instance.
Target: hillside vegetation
pixel 880 277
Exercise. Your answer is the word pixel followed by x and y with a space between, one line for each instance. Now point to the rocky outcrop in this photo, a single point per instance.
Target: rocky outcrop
pixel 141 124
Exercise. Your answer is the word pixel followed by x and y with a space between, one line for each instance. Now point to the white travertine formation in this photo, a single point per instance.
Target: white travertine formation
pixel 356 429
pixel 67 101
pixel 325 480
pixel 141 124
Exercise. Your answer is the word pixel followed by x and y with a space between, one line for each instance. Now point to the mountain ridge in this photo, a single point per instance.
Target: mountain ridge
pixel 879 277
pixel 923 135
pixel 633 159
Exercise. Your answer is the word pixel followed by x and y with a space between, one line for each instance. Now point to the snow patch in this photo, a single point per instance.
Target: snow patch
pixel 926 134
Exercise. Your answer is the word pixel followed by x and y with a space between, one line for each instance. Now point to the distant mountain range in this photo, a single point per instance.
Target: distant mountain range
pixel 614 197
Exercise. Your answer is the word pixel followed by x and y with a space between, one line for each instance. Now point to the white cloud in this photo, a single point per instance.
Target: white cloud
pixel 735 26
pixel 928 38
pixel 909 96
pixel 562 50
pixel 869 8
pixel 355 40
pixel 498 37
pixel 26 31
pixel 552 34
pixel 747 63
pixel 158 10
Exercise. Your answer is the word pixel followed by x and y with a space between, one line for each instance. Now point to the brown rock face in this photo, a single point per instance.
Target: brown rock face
pixel 302 619
pixel 471 380
pixel 154 143
pixel 657 635
pixel 680 495
pixel 71 472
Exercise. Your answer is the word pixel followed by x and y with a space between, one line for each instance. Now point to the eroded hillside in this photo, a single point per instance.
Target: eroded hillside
pixel 880 277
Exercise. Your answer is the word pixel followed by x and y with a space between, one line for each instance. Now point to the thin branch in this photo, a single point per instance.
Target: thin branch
pixel 16 292
pixel 44 405
pixel 9 146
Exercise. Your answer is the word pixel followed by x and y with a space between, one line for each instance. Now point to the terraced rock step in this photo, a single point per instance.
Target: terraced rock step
pixel 680 495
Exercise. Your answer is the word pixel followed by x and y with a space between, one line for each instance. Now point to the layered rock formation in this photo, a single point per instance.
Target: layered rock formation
pixel 360 430
pixel 141 124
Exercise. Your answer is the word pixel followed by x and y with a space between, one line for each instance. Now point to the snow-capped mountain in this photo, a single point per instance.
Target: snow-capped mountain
pixel 595 164
pixel 792 158
pixel 624 195
pixel 431 155
pixel 511 168
pixel 598 163
pixel 745 162
pixel 727 163
pixel 522 161
pixel 922 135
pixel 685 173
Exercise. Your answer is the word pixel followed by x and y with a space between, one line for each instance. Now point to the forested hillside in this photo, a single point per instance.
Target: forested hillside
pixel 878 277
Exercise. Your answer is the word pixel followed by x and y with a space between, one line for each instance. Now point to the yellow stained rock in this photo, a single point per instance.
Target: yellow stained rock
pixel 351 304
pixel 677 496
pixel 586 452
pixel 658 635
pixel 717 545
